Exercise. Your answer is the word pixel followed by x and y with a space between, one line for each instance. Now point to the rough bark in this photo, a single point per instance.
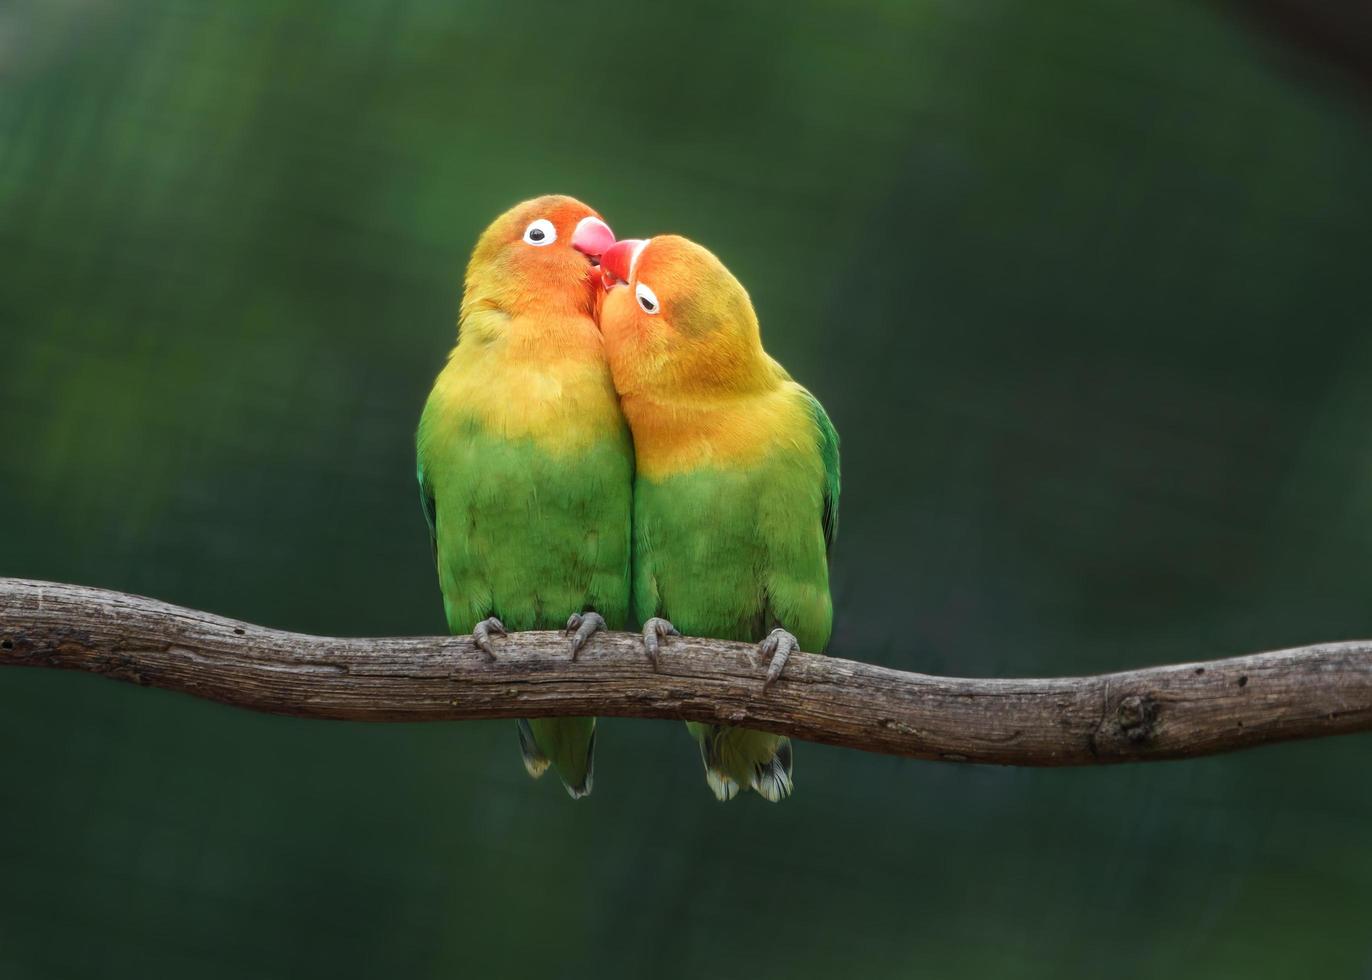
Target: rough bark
pixel 1167 712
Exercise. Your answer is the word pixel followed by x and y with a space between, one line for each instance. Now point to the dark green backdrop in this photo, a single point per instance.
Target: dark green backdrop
pixel 1084 288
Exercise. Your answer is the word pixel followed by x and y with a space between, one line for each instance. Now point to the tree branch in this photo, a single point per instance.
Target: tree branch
pixel 1155 713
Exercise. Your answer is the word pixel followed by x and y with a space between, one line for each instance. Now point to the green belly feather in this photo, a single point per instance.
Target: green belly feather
pixel 531 536
pixel 733 554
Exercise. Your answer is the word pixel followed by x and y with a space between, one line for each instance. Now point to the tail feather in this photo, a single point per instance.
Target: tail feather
pixel 724 788
pixel 567 745
pixel 772 779
pixel 735 757
pixel 587 783
pixel 535 762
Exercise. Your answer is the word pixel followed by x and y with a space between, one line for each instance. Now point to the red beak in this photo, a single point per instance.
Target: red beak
pixel 592 237
pixel 617 262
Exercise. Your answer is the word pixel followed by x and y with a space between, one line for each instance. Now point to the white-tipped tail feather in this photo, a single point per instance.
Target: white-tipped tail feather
pixel 772 779
pixel 734 757
pixel 535 762
pixel 724 788
pixel 586 785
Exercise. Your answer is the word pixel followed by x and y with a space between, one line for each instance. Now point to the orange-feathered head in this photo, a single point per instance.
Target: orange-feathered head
pixel 676 321
pixel 538 257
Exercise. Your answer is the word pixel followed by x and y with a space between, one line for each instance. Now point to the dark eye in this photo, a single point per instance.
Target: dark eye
pixel 540 232
pixel 647 299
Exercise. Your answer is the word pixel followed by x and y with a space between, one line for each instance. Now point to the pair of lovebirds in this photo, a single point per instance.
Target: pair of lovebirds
pixel 609 442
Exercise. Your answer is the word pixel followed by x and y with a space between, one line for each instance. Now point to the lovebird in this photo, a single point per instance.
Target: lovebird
pixel 524 460
pixel 737 481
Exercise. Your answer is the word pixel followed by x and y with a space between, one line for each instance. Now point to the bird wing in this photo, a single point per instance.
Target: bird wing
pixel 828 453
pixel 430 508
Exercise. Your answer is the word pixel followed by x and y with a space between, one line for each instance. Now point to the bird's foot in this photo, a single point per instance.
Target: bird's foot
pixel 778 646
pixel 582 627
pixel 481 635
pixel 653 632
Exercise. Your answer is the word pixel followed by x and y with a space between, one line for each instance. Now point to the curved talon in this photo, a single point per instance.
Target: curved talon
pixel 653 631
pixel 585 625
pixel 481 635
pixel 778 646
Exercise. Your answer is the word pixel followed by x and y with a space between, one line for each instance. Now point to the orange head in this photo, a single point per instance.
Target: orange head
pixel 539 257
pixel 676 322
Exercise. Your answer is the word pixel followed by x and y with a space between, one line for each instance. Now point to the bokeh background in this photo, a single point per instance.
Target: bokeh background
pixel 1084 288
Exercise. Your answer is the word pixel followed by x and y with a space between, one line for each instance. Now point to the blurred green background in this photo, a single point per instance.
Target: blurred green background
pixel 1084 288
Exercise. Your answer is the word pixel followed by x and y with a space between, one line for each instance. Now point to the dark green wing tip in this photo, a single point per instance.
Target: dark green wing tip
pixel 828 454
pixel 429 505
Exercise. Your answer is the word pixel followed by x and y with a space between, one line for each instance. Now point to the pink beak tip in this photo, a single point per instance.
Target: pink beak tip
pixel 592 236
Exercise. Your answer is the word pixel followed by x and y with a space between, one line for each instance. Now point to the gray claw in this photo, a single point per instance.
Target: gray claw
pixel 778 646
pixel 481 635
pixel 653 632
pixel 585 625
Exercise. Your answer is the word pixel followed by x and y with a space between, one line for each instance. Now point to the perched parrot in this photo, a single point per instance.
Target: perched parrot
pixel 524 460
pixel 736 492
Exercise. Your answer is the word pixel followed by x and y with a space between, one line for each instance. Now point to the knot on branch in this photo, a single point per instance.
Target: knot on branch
pixel 1134 720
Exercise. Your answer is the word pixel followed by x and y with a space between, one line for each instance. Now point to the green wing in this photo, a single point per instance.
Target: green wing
pixel 430 508
pixel 828 452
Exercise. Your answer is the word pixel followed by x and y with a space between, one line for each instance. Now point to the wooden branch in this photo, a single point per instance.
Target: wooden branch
pixel 1155 713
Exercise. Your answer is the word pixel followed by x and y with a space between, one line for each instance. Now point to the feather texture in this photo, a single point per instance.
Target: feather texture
pixel 736 497
pixel 524 460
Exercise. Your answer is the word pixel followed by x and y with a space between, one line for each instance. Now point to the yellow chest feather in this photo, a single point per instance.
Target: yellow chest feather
pixel 551 387
pixel 725 432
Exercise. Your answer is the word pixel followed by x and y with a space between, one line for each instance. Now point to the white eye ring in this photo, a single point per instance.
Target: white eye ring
pixel 540 232
pixel 647 299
